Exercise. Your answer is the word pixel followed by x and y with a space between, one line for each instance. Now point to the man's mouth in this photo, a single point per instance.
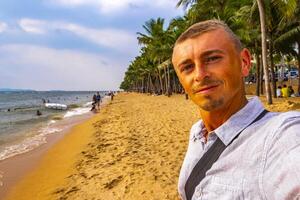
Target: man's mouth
pixel 206 89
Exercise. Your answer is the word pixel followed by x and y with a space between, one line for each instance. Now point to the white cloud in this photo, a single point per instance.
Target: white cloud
pixel 41 68
pixel 33 25
pixel 116 39
pixel 114 6
pixel 3 27
pixel 113 38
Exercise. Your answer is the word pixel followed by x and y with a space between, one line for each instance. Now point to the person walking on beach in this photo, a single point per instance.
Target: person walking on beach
pixel 112 96
pixel 238 150
pixel 98 100
pixel 94 102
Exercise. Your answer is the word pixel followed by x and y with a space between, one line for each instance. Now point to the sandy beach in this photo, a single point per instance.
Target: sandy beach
pixel 132 149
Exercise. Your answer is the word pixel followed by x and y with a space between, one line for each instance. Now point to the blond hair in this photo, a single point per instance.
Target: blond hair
pixel 206 26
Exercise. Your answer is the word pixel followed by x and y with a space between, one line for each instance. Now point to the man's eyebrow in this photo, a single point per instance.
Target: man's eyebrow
pixel 206 53
pixel 187 61
pixel 209 52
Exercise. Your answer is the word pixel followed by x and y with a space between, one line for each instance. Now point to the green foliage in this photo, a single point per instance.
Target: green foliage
pixel 242 16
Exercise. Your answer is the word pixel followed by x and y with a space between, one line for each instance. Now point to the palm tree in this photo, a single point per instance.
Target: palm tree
pixel 289 43
pixel 262 17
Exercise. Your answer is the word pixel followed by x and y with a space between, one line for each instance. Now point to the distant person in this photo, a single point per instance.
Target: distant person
pixel 95 98
pixel 94 103
pixel 48 101
pixel 278 91
pixel 98 100
pixel 111 96
pixel 8 110
pixel 38 113
pixel 93 107
pixel 291 91
pixel 44 101
pixel 285 92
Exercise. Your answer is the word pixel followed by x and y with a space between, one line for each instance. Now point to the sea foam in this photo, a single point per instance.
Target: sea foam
pixel 28 144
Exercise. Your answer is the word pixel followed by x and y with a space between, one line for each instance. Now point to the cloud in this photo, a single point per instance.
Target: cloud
pixel 33 26
pixel 113 38
pixel 3 27
pixel 42 68
pixel 115 6
pixel 116 39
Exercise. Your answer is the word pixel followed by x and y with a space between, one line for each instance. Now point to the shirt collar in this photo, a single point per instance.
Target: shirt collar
pixel 240 120
pixel 233 125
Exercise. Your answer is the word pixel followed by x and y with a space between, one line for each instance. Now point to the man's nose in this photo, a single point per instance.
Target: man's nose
pixel 200 72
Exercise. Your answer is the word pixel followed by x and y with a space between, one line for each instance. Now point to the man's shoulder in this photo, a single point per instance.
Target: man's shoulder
pixel 286 117
pixel 284 129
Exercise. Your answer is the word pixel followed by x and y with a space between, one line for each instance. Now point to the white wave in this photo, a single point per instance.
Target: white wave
pixel 51 122
pixel 27 144
pixel 77 111
pixel 88 104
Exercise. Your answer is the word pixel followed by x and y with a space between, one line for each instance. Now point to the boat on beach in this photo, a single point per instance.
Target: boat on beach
pixel 56 106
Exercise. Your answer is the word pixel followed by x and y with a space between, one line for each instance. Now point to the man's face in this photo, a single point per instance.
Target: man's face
pixel 211 70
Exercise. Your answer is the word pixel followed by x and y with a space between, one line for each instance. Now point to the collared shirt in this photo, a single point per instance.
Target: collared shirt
pixel 262 163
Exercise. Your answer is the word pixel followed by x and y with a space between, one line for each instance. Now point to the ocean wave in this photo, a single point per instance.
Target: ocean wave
pixel 32 142
pixel 28 144
pixel 77 111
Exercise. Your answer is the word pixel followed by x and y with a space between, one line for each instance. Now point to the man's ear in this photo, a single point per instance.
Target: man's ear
pixel 246 62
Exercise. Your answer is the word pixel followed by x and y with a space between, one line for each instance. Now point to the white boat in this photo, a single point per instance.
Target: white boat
pixel 56 106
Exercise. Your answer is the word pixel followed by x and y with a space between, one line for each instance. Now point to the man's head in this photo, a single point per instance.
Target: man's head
pixel 211 63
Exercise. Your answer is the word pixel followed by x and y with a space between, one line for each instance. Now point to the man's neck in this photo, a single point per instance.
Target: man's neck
pixel 214 119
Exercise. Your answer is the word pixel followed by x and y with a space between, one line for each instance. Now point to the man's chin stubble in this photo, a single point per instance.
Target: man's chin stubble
pixel 212 104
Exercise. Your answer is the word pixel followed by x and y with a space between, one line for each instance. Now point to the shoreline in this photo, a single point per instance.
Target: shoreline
pixel 15 168
pixel 115 155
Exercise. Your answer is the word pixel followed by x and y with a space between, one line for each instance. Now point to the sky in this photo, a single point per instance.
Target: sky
pixel 73 44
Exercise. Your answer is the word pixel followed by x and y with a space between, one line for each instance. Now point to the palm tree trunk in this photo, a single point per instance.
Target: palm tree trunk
pixel 174 85
pixel 257 73
pixel 261 76
pixel 272 68
pixel 166 80
pixel 160 82
pixel 298 59
pixel 264 49
pixel 169 84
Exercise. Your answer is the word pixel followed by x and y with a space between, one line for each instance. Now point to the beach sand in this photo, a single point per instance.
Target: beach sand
pixel 132 149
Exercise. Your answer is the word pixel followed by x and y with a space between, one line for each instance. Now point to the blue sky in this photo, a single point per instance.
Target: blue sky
pixel 72 44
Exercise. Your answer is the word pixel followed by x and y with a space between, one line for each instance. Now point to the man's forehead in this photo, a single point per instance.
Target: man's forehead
pixel 202 43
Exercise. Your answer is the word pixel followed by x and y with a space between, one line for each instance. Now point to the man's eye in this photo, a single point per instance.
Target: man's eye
pixel 187 68
pixel 212 59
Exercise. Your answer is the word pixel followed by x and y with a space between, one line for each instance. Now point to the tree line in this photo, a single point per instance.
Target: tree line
pixel 269 28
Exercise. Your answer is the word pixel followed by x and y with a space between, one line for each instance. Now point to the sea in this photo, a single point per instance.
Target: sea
pixel 22 130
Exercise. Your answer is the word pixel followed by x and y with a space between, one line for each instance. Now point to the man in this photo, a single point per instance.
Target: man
pixel 261 155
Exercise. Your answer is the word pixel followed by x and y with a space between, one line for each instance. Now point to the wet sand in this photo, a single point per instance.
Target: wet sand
pixel 132 149
pixel 14 168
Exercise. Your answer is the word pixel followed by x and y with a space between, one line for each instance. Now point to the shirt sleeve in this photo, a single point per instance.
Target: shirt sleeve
pixel 281 170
